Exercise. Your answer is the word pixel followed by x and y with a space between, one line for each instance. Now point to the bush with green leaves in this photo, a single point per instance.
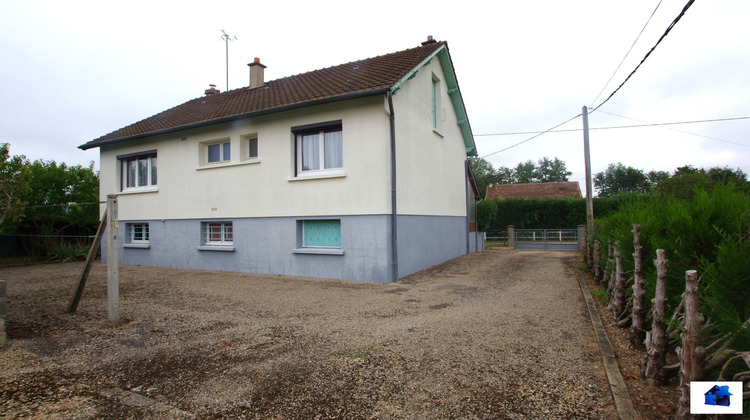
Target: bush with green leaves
pixel 708 232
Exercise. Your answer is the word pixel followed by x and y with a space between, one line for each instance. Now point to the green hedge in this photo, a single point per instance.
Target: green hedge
pixel 495 215
pixel 708 233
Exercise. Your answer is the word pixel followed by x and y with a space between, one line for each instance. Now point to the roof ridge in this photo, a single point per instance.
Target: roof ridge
pixel 325 84
pixel 360 60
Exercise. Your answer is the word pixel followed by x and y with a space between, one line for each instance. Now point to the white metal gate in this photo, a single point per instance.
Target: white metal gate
pixel 559 239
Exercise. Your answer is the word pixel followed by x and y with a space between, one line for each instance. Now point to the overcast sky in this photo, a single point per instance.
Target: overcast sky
pixel 75 70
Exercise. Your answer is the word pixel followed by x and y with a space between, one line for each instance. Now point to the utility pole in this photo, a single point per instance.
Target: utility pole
pixel 113 276
pixel 226 39
pixel 589 186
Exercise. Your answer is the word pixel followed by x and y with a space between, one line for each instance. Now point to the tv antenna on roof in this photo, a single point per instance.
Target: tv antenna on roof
pixel 226 39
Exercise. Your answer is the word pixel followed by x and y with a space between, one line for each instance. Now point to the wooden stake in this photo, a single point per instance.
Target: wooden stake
pixel 638 316
pixel 656 340
pixel 87 266
pixel 618 293
pixel 597 264
pixel 691 353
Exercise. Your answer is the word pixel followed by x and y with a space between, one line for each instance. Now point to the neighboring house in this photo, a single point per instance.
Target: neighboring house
pixel 534 190
pixel 304 175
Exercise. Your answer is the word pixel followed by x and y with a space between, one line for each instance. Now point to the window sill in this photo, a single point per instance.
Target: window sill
pixel 137 246
pixel 318 175
pixel 227 164
pixel 319 251
pixel 219 248
pixel 141 190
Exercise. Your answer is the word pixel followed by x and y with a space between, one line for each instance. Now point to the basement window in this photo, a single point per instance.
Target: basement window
pixel 319 237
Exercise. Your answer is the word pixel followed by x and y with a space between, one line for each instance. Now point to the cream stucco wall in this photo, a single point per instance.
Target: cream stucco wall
pixel 431 171
pixel 431 164
pixel 267 187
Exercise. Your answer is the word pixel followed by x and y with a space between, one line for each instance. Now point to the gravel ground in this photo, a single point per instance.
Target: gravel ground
pixel 501 334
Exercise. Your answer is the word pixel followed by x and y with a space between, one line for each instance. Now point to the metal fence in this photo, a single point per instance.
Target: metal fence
pixel 562 239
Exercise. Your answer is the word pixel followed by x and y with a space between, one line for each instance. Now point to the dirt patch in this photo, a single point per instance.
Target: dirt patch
pixel 501 334
pixel 650 401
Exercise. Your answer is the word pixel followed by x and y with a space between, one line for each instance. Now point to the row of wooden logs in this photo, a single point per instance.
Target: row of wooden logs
pixel 693 363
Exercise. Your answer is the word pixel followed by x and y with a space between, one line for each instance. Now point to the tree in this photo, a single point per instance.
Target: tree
pixel 688 179
pixel 545 170
pixel 483 172
pixel 62 197
pixel 14 183
pixel 551 170
pixel 618 178
pixel 504 175
pixel 525 172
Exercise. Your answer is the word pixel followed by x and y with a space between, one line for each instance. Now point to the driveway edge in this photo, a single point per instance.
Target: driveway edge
pixel 620 394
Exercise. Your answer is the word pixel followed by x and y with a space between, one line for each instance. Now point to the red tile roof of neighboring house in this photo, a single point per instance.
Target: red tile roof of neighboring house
pixel 535 190
pixel 356 79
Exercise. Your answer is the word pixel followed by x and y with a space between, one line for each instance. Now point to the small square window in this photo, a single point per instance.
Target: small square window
pixel 219 152
pixel 138 233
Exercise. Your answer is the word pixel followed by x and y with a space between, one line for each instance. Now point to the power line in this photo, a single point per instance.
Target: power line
pixel 644 124
pixel 627 53
pixel 672 25
pixel 533 137
pixel 687 132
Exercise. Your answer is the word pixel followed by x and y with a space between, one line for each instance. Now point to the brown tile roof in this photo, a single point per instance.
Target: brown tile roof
pixel 535 190
pixel 358 78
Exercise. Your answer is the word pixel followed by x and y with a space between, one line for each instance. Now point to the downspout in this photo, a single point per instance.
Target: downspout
pixel 476 224
pixel 468 209
pixel 394 214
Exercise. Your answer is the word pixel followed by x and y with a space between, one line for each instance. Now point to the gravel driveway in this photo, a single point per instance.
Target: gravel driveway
pixel 501 334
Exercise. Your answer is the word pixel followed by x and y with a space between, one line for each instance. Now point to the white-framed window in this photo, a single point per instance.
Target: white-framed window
pixel 138 233
pixel 138 170
pixel 219 152
pixel 319 148
pixel 217 233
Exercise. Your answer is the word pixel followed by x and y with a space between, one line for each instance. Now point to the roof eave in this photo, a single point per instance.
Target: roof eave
pixel 321 101
pixel 453 90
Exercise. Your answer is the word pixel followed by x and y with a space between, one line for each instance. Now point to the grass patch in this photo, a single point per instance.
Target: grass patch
pixel 600 295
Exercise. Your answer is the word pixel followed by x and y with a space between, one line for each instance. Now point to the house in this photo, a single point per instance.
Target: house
pixel 535 190
pixel 718 395
pixel 357 172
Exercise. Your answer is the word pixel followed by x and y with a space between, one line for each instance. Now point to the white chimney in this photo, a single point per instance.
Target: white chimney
pixel 256 73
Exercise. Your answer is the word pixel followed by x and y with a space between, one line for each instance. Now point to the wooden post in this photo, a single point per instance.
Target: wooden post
pixel 638 315
pixel 87 266
pixel 597 263
pixel 607 274
pixel 113 278
pixel 581 234
pixel 656 340
pixel 691 353
pixel 618 294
